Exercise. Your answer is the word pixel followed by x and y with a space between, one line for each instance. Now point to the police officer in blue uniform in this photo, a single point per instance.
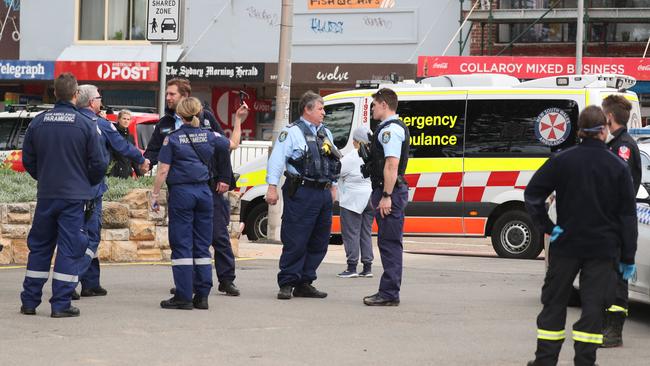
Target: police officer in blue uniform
pixel 224 259
pixel 596 222
pixel 312 164
pixel 89 103
pixel 185 165
pixel 388 156
pixel 62 152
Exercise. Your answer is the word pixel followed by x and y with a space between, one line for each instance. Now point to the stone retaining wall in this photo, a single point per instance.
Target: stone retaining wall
pixel 130 230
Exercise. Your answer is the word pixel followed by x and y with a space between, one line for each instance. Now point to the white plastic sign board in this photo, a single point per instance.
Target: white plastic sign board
pixel 163 20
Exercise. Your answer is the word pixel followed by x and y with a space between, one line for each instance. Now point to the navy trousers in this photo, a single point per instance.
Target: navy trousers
pixel 224 259
pixel 389 240
pixel 305 232
pixel 90 263
pixel 190 231
pixel 57 223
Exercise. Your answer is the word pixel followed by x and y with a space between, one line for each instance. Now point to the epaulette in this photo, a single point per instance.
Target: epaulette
pixel 174 131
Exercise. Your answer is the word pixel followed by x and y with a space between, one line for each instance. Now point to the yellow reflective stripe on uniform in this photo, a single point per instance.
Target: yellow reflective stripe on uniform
pixel 90 253
pixel 551 335
pixel 587 337
pixel 65 277
pixel 256 178
pixel 37 274
pixel 617 309
pixel 183 262
pixel 202 261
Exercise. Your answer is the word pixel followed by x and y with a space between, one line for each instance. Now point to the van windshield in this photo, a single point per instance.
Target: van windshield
pixel 338 118
pixel 12 133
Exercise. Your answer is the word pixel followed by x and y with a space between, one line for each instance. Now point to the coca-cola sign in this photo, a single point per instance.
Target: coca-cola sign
pixel 109 71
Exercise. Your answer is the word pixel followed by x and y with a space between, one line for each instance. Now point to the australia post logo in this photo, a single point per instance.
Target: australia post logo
pixel 552 126
pixel 123 71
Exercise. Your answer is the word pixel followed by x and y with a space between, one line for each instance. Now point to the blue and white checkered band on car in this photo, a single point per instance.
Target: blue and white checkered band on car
pixel 643 214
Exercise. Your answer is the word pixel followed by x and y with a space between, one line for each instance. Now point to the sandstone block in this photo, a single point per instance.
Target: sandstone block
pixel 137 199
pixel 15 231
pixel 115 234
pixel 124 251
pixel 148 244
pixel 18 207
pixel 3 213
pixel 234 243
pixel 166 254
pixel 149 255
pixel 159 217
pixel 162 237
pixel 19 218
pixel 115 215
pixel 104 253
pixel 20 250
pixel 139 214
pixel 6 256
pixel 142 230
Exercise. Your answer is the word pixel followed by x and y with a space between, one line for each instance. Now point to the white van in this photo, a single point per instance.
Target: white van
pixel 476 140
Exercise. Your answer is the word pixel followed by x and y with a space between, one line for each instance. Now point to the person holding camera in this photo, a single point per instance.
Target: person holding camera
pixel 356 211
pixel 184 159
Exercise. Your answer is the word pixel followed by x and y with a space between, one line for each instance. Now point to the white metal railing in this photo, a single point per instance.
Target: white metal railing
pixel 249 150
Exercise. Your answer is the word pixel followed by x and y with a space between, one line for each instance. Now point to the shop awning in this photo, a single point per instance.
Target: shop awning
pixel 149 53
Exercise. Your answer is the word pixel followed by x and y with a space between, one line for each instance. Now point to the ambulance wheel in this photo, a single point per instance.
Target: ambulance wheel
pixel 256 222
pixel 515 236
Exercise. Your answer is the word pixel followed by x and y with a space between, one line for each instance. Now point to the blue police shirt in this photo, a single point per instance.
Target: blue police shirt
pixel 391 137
pixel 62 151
pixel 291 143
pixel 185 165
pixel 178 121
pixel 111 140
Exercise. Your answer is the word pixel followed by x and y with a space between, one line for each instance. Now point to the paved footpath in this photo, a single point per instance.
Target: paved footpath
pixel 454 311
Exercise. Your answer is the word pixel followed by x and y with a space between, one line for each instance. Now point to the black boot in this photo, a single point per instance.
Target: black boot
pixel 613 329
pixel 285 292
pixel 175 303
pixel 200 302
pixel 229 288
pixel 67 313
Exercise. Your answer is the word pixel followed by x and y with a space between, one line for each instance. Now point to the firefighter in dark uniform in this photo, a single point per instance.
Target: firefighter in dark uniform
pixel 617 110
pixel 89 103
pixel 224 259
pixel 386 165
pixel 596 222
pixel 184 164
pixel 312 164
pixel 62 152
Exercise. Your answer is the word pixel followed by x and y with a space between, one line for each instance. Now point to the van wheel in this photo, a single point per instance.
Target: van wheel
pixel 515 236
pixel 257 221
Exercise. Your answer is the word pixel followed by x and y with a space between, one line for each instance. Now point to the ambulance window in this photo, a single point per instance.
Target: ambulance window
pixel 435 126
pixel 7 132
pixel 338 118
pixel 529 127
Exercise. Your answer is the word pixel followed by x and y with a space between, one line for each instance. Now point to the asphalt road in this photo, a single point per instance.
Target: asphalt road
pixel 455 311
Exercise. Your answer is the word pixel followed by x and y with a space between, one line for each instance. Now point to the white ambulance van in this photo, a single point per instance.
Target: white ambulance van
pixel 476 140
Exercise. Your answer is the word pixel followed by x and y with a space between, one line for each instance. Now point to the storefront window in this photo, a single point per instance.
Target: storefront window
pixel 536 4
pixel 620 4
pixel 620 32
pixel 545 32
pixel 111 20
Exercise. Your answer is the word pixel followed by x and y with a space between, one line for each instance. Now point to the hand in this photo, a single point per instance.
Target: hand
pixel 222 187
pixel 144 167
pixel 241 113
pixel 272 195
pixel 557 231
pixel 155 207
pixel 627 270
pixel 102 113
pixel 384 206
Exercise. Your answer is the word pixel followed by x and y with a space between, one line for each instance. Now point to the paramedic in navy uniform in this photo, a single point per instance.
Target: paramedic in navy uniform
pixel 62 152
pixel 389 151
pixel 312 164
pixel 184 158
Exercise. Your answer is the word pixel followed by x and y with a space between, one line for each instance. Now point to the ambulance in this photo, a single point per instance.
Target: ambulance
pixel 476 140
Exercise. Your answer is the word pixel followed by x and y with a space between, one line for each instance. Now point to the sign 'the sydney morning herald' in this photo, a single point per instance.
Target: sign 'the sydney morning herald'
pixel 198 71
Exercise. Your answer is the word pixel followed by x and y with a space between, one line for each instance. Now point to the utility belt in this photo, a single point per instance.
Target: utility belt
pixel 380 184
pixel 294 181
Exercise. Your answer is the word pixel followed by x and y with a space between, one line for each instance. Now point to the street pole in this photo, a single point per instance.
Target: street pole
pixel 580 28
pixel 163 79
pixel 283 92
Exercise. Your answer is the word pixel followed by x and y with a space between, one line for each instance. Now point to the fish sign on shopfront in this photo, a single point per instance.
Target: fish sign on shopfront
pixel 163 20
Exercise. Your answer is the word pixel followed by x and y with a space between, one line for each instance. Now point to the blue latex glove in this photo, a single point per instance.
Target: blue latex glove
pixel 627 270
pixel 557 231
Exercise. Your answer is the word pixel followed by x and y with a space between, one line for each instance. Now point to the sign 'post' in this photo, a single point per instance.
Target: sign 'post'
pixel 163 25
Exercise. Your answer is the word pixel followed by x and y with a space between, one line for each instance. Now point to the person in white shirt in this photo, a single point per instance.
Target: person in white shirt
pixel 356 212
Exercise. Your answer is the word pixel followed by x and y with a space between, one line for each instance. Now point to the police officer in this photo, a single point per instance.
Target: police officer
pixel 596 221
pixel 312 164
pixel 389 150
pixel 89 103
pixel 224 259
pixel 617 110
pixel 185 158
pixel 62 152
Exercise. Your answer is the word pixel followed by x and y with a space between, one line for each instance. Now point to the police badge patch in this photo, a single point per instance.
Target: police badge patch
pixel 385 137
pixel 283 136
pixel 624 153
pixel 166 141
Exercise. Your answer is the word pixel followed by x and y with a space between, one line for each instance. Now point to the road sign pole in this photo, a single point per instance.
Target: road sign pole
pixel 163 79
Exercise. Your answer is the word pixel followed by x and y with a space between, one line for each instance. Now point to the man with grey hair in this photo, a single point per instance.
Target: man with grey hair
pixel 312 164
pixel 89 102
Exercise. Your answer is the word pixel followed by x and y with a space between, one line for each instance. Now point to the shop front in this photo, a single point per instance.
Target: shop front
pixel 23 82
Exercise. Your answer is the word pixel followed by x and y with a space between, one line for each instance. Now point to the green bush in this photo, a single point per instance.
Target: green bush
pixel 20 187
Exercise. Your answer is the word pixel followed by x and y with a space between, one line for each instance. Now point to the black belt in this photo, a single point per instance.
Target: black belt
pixel 315 184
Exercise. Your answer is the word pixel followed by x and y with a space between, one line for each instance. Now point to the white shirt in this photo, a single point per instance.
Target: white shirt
pixel 353 189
